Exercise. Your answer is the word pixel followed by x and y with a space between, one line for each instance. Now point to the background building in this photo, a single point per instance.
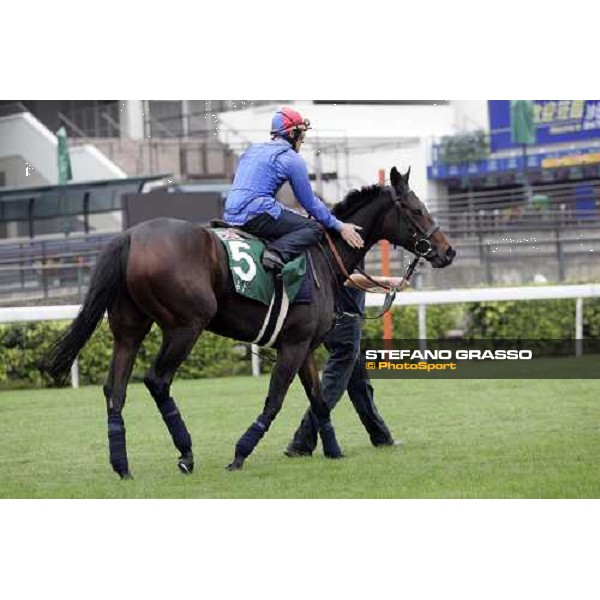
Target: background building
pixel 517 213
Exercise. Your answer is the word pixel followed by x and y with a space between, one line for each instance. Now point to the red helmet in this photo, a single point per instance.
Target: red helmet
pixel 286 122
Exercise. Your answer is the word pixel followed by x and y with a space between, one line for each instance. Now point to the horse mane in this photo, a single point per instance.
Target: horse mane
pixel 354 200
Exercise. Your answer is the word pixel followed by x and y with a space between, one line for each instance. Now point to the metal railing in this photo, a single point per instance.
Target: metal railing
pixel 13 108
pixel 514 219
pixel 60 269
pixel 71 127
pixel 194 157
pixel 558 206
pixel 102 121
pixel 555 193
pixel 182 123
pixel 42 281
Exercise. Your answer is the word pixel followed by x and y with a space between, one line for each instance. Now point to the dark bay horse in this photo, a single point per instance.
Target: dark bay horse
pixel 176 274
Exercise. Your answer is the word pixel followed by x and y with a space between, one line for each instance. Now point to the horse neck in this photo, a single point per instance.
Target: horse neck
pixel 367 217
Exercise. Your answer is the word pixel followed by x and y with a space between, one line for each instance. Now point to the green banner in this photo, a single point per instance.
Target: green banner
pixel 65 172
pixel 522 122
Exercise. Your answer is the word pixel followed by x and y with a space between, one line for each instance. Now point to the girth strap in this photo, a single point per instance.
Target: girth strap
pixel 278 309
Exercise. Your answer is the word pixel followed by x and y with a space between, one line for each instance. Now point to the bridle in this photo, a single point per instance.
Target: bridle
pixel 422 247
pixel 422 244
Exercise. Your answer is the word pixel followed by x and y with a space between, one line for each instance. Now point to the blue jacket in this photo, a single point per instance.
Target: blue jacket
pixel 262 170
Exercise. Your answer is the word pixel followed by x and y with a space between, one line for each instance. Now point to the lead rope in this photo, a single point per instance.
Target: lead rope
pixel 390 295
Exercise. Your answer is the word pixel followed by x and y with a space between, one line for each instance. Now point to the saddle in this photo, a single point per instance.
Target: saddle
pixel 218 224
pixel 304 296
pixel 250 279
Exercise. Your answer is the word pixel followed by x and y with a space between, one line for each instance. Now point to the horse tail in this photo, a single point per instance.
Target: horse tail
pixel 107 282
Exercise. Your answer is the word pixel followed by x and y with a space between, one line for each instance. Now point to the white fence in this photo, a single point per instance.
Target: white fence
pixel 411 298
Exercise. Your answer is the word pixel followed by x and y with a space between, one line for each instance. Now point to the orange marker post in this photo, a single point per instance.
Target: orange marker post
pixel 384 247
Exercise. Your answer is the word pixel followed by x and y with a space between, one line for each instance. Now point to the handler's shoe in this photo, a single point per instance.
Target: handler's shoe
pixel 292 452
pixel 398 443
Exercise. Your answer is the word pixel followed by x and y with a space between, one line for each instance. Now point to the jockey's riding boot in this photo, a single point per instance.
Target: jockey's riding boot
pixel 271 261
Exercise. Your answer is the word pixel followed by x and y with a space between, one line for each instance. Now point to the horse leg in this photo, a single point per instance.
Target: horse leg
pixel 309 376
pixel 289 359
pixel 126 344
pixel 177 344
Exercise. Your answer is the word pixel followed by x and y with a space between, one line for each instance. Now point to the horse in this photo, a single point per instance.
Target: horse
pixel 176 274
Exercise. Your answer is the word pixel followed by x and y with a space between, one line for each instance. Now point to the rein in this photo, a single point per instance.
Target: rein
pixel 342 267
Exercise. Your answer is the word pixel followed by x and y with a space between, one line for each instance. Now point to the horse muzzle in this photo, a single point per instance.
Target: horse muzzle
pixel 439 261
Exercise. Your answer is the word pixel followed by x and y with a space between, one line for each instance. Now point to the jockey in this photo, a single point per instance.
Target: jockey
pixel 251 204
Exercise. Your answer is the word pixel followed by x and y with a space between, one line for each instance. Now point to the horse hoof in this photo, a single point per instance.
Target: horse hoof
pixel 185 468
pixel 125 476
pixel 236 465
pixel 186 464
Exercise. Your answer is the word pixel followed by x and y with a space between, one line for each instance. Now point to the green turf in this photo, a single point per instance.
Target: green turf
pixel 463 439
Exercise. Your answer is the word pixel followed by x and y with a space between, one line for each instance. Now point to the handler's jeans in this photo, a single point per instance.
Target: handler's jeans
pixel 289 236
pixel 345 370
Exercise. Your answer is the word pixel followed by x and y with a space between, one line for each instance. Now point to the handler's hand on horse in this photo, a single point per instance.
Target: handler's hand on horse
pixel 350 235
pixel 397 283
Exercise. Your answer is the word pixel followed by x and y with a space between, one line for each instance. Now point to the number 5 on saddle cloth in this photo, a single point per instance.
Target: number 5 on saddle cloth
pixel 252 281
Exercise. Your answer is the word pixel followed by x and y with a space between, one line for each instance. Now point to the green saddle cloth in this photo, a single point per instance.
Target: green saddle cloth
pixel 249 276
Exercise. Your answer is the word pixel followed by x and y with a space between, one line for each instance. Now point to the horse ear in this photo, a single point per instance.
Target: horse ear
pixel 395 177
pixel 405 177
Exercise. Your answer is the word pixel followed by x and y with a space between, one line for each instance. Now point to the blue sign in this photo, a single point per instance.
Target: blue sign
pixel 556 121
pixel 494 166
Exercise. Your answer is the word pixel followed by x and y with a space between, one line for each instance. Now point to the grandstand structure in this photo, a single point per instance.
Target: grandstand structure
pixel 517 214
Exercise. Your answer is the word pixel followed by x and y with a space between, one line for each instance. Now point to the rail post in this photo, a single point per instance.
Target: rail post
pixel 578 326
pixel 75 375
pixel 384 247
pixel 255 360
pixel 421 315
pixel 560 257
pixel 79 279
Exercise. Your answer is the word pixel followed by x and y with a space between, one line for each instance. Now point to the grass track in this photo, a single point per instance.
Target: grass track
pixel 463 439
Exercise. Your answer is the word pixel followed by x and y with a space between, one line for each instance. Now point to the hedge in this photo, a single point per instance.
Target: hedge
pixel 22 345
pixel 531 319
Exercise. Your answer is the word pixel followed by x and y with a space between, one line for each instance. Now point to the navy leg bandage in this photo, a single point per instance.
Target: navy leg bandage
pixel 116 444
pixel 253 435
pixel 172 418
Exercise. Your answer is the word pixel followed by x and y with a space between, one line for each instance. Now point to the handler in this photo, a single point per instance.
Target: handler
pixel 345 370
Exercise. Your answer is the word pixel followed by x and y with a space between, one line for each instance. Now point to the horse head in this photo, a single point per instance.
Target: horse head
pixel 410 225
